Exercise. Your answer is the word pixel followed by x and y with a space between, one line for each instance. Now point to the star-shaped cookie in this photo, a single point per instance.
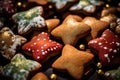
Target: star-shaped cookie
pixel 9 42
pixel 29 20
pixel 40 76
pixel 42 47
pixel 97 26
pixel 60 4
pixel 50 25
pixel 20 68
pixel 107 46
pixel 71 30
pixel 86 6
pixel 73 61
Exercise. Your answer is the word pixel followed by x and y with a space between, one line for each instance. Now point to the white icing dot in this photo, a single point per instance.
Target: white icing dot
pixel 2 42
pixel 54 48
pixel 29 49
pixel 37 50
pixel 104 35
pixel 106 42
pixel 34 43
pixel 43 53
pixel 106 56
pixel 38 57
pixel 48 49
pixel 51 49
pixel 22 70
pixel 95 41
pixel 42 33
pixel 118 44
pixel 58 44
pixel 38 39
pixel 42 47
pixel 46 52
pixel 42 50
pixel 44 39
pixel 110 50
pixel 113 42
pixel 50 40
pixel 101 38
pixel 107 74
pixel 99 43
pixel 105 47
pixel 32 50
pixel 112 56
pixel 115 51
pixel 45 45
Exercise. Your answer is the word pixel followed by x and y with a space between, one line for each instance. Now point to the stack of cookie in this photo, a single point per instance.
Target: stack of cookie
pixel 59 40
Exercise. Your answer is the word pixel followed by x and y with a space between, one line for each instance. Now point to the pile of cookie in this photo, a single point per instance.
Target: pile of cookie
pixel 59 40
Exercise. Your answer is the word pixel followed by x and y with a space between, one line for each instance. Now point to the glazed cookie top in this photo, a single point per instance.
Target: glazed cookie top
pixel 9 42
pixel 20 67
pixel 30 19
pixel 42 47
pixel 61 3
pixel 88 6
pixel 107 46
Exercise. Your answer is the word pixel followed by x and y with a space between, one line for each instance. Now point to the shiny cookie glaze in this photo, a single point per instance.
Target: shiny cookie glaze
pixel 9 42
pixel 19 68
pixel 29 20
pixel 107 46
pixel 42 47
pixel 60 4
pixel 88 6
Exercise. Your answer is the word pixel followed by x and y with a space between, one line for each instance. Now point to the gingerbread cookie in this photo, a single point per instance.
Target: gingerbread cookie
pixel 97 26
pixel 86 6
pixel 29 20
pixel 41 2
pixel 7 8
pixel 71 30
pixel 9 42
pixel 107 46
pixel 73 61
pixel 40 76
pixel 51 24
pixel 20 68
pixel 42 47
pixel 62 4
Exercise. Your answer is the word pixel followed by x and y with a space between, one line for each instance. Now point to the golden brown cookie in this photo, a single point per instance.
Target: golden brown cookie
pixel 73 61
pixel 51 24
pixel 71 30
pixel 42 2
pixel 97 26
pixel 40 76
